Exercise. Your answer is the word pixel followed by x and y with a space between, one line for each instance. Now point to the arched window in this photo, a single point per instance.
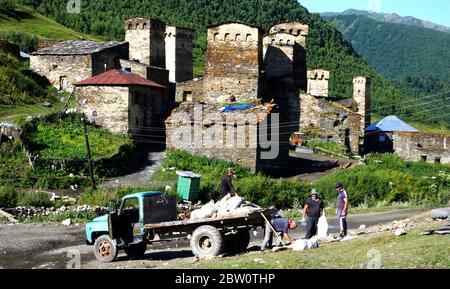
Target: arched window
pixel 216 36
pixel 238 38
pixel 227 37
pixel 248 38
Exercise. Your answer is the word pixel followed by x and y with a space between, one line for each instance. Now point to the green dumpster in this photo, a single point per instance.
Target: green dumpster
pixel 188 188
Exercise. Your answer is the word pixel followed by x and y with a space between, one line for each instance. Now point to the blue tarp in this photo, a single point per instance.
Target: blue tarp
pixel 391 123
pixel 237 107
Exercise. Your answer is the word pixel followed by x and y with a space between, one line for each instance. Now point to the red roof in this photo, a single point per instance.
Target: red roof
pixel 116 77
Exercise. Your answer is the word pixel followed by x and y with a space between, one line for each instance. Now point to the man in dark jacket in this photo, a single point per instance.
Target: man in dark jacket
pixel 313 209
pixel 227 185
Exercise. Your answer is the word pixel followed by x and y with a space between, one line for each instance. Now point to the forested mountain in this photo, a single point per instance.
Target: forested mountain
pixel 418 59
pixel 391 18
pixel 326 47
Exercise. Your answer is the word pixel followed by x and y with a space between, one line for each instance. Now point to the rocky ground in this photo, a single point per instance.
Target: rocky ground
pixel 56 245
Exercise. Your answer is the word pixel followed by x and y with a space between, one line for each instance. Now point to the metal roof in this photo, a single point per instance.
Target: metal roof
pixel 118 77
pixel 77 47
pixel 391 123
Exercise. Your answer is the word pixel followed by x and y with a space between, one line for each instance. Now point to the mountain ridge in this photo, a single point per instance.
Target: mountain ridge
pixel 391 18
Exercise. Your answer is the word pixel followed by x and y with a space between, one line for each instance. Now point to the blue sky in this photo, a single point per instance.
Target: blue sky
pixel 437 11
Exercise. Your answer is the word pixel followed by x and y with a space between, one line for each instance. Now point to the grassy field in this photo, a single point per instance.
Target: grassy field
pixel 15 113
pixel 25 20
pixel 411 251
pixel 55 138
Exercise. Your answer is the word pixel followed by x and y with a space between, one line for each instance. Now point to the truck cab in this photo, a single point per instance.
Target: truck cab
pixel 123 227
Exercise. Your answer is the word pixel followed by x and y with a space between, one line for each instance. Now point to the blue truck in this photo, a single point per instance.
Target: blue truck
pixel 148 218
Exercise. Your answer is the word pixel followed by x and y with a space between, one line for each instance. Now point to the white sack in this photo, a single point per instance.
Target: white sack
pixel 322 227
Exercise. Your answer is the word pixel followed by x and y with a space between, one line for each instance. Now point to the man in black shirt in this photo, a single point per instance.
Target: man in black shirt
pixel 314 209
pixel 227 185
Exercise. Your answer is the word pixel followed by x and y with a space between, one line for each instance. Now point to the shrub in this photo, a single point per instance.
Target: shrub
pixel 253 187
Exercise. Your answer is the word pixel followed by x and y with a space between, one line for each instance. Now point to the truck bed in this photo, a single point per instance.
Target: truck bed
pixel 252 219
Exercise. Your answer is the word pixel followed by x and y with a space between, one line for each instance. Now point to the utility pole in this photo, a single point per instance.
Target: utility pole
pixel 88 148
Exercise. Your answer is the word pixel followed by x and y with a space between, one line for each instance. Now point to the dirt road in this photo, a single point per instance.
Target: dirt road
pixel 57 246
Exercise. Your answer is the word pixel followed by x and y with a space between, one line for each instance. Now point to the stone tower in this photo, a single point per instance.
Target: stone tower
pixel 147 41
pixel 234 55
pixel 361 95
pixel 278 52
pixel 179 53
pixel 299 32
pixel 318 82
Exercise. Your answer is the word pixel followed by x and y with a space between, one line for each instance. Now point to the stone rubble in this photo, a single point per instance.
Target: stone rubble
pixel 32 212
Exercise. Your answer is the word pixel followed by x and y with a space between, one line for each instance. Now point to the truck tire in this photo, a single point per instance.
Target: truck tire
pixel 206 241
pixel 105 249
pixel 237 243
pixel 136 251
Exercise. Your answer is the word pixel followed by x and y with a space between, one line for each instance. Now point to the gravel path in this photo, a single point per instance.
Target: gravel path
pixel 141 178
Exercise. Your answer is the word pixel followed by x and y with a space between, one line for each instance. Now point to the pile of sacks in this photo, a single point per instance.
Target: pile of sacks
pixel 228 206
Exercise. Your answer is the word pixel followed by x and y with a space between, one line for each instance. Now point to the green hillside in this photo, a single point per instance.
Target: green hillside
pixel 24 27
pixel 326 46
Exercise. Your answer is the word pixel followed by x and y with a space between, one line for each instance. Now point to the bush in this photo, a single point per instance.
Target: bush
pixel 8 197
pixel 256 188
pixel 389 178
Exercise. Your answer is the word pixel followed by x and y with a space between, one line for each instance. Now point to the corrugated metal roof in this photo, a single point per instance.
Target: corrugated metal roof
pixel 391 123
pixel 77 47
pixel 118 77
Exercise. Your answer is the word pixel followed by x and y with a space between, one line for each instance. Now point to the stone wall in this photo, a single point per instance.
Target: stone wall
pixel 233 67
pixel 62 70
pixel 191 91
pixel 330 122
pixel 106 106
pixel 427 147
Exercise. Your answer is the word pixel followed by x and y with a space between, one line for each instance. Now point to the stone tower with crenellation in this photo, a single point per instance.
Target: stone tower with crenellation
pixel 234 58
pixel 361 95
pixel 147 41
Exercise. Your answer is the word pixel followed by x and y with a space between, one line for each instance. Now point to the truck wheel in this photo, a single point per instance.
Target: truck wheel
pixel 136 251
pixel 104 249
pixel 206 241
pixel 237 243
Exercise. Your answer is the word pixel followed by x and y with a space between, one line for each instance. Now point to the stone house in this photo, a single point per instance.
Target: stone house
pixel 68 62
pixel 122 102
pixel 426 147
pixel 204 129
pixel 380 135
